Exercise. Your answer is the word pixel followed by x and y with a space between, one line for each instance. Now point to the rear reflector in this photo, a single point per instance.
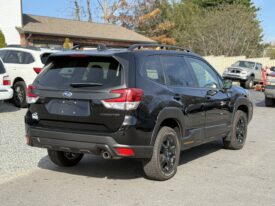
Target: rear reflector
pixel 37 70
pixel 6 81
pixel 128 99
pixel 127 152
pixel 31 97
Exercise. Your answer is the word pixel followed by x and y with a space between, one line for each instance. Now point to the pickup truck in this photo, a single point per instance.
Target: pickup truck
pixel 246 72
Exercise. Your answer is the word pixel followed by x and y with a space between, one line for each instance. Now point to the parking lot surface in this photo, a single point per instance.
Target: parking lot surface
pixel 207 175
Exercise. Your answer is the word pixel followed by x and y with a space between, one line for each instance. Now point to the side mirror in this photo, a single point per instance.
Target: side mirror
pixel 227 84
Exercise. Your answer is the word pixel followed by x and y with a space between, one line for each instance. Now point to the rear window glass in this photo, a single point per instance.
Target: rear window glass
pixel 2 68
pixel 62 72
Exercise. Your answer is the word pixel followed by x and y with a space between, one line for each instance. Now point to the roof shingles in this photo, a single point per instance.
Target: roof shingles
pixel 72 28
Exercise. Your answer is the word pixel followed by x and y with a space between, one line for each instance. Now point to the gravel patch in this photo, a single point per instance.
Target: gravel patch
pixel 16 156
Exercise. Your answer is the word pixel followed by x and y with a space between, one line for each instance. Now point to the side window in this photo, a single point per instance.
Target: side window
pixel 176 72
pixel 152 69
pixel 205 75
pixel 12 58
pixel 18 57
pixel 258 67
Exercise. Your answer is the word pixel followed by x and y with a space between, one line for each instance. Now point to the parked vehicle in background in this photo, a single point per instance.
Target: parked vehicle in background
pixel 270 88
pixel 23 64
pixel 246 72
pixel 6 91
pixel 143 102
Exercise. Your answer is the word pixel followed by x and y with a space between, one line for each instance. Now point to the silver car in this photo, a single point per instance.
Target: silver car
pixel 246 72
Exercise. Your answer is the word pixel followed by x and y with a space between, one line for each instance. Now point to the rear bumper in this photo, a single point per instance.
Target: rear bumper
pixel 6 93
pixel 80 143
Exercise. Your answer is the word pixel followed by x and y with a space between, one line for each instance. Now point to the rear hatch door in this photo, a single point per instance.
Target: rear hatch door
pixel 71 89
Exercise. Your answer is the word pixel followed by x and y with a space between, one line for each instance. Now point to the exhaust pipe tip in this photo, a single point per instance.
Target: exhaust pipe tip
pixel 106 155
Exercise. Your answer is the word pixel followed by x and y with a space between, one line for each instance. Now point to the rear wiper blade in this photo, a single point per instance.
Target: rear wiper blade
pixel 85 84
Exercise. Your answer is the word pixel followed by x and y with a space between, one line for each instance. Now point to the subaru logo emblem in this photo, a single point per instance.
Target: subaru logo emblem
pixel 67 94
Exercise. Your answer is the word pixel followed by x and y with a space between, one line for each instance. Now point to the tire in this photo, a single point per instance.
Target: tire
pixel 64 159
pixel 249 83
pixel 19 95
pixel 153 168
pixel 238 133
pixel 269 102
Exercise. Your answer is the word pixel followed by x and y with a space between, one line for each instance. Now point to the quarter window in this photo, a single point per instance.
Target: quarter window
pixel 2 68
pixel 2 54
pixel 205 75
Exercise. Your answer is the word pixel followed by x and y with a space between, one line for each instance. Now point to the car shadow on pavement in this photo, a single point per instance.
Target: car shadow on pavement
pixel 7 106
pixel 96 167
pixel 200 151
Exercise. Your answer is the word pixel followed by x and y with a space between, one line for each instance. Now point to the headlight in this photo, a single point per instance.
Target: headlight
pixel 244 73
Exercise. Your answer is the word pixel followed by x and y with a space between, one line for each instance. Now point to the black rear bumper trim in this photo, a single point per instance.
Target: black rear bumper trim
pixel 80 143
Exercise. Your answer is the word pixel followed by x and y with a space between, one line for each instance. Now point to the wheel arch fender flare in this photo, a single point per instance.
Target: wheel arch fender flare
pixel 165 114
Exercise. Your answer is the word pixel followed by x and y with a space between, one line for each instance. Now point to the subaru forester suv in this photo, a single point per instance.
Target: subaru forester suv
pixel 148 102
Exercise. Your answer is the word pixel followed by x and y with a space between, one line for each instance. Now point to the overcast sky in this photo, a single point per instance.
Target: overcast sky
pixel 61 8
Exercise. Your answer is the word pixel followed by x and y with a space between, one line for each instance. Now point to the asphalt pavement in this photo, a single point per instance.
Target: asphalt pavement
pixel 207 175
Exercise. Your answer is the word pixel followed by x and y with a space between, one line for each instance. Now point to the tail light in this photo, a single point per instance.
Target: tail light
pixel 128 99
pixel 6 81
pixel 37 70
pixel 31 96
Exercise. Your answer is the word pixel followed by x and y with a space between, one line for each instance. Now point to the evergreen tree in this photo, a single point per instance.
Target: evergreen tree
pixel 2 40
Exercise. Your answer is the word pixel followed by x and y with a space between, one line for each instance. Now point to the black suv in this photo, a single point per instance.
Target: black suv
pixel 148 102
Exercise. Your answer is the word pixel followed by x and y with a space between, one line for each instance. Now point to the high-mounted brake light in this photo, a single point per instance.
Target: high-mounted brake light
pixel 6 81
pixel 128 99
pixel 31 96
pixel 37 70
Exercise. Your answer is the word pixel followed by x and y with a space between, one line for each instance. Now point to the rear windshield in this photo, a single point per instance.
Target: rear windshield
pixel 2 68
pixel 62 72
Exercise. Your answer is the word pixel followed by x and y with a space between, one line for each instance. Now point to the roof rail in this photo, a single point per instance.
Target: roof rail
pixel 100 47
pixel 76 47
pixel 160 46
pixel 23 47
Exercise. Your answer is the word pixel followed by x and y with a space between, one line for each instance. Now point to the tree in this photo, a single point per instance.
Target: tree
pixel 153 20
pixel 110 11
pixel 2 40
pixel 89 11
pixel 217 31
pixel 208 4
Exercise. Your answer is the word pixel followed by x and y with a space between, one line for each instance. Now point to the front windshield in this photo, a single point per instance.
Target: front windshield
pixel 245 64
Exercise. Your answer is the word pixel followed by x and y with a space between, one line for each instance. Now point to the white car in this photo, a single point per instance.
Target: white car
pixel 6 91
pixel 23 64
